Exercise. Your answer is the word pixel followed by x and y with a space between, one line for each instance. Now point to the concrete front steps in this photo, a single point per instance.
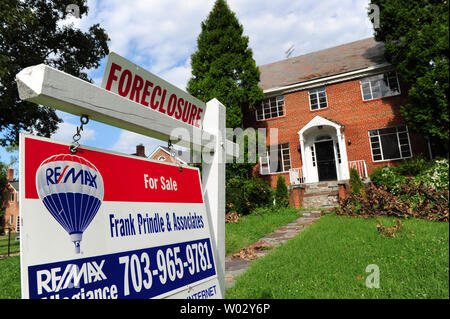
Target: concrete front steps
pixel 321 195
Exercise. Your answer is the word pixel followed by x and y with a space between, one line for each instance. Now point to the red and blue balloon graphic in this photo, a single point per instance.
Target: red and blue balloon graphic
pixel 71 189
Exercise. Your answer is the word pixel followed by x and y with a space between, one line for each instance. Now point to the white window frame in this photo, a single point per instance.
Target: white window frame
pixel 316 91
pixel 375 77
pixel 398 142
pixel 161 158
pixel 269 113
pixel 266 160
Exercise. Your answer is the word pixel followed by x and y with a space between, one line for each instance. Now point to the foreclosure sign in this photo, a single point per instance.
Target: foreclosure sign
pixel 139 85
pixel 102 225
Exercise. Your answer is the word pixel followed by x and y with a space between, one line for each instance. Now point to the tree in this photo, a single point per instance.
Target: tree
pixel 416 38
pixel 356 184
pixel 31 33
pixel 223 65
pixel 281 193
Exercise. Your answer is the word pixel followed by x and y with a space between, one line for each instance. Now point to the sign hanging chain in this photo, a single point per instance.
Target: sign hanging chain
pixel 84 119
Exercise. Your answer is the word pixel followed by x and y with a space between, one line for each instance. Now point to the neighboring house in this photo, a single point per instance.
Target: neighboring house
pixel 162 153
pixel 334 109
pixel 12 219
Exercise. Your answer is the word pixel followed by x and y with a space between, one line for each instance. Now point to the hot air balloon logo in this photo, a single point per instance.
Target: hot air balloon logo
pixel 71 189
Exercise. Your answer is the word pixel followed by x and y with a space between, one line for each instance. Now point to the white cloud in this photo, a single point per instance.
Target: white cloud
pixel 161 35
pixel 158 35
pixel 179 75
pixel 273 26
pixel 127 142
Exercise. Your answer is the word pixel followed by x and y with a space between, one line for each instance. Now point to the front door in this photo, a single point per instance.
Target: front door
pixel 326 163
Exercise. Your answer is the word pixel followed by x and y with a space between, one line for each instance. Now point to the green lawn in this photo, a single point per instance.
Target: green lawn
pixel 10 277
pixel 329 260
pixel 14 244
pixel 255 226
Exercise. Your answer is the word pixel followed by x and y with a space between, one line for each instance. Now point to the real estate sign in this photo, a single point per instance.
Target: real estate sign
pixel 141 86
pixel 100 224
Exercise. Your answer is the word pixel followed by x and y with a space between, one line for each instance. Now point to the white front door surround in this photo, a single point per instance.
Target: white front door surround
pixel 320 128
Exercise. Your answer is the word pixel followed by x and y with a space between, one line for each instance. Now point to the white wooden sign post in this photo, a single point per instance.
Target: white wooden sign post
pixel 149 106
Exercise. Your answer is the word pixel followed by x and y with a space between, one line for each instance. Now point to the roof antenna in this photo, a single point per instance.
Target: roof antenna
pixel 289 51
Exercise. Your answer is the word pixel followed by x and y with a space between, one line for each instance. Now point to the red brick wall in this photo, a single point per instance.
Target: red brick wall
pixel 12 209
pixel 346 106
pixel 169 158
pixel 160 152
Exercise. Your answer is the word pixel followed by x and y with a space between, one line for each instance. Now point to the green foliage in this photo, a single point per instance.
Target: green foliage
pixel 4 192
pixel 242 168
pixel 244 195
pixel 356 185
pixel 421 188
pixel 414 166
pixel 223 66
pixel 436 175
pixel 281 193
pixel 432 173
pixel 389 177
pixel 30 34
pixel 416 37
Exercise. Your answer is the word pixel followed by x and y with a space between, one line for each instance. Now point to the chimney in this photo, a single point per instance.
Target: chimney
pixel 10 174
pixel 140 150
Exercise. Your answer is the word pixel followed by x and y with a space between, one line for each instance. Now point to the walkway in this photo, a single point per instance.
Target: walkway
pixel 239 262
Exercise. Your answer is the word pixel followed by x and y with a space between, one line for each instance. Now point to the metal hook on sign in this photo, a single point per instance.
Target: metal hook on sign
pixel 173 154
pixel 84 119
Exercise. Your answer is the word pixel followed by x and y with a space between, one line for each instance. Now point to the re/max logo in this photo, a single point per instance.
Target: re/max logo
pixel 57 175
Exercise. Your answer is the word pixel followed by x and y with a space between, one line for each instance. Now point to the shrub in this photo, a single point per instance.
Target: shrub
pixel 414 166
pixel 435 175
pixel 281 193
pixel 244 195
pixel 389 177
pixel 356 185
pixel 377 201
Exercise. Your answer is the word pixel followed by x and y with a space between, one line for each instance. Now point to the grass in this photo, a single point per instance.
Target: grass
pixel 252 227
pixel 255 226
pixel 14 244
pixel 329 260
pixel 10 278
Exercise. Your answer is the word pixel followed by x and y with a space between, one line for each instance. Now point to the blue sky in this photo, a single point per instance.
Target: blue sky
pixel 160 35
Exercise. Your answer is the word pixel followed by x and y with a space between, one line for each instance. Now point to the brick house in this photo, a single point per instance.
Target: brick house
pixel 162 153
pixel 334 109
pixel 11 216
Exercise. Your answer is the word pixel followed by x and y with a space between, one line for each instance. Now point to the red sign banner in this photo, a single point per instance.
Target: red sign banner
pixel 148 181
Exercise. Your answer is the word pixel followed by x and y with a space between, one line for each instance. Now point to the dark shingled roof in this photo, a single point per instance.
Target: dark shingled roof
pixel 15 185
pixel 341 59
